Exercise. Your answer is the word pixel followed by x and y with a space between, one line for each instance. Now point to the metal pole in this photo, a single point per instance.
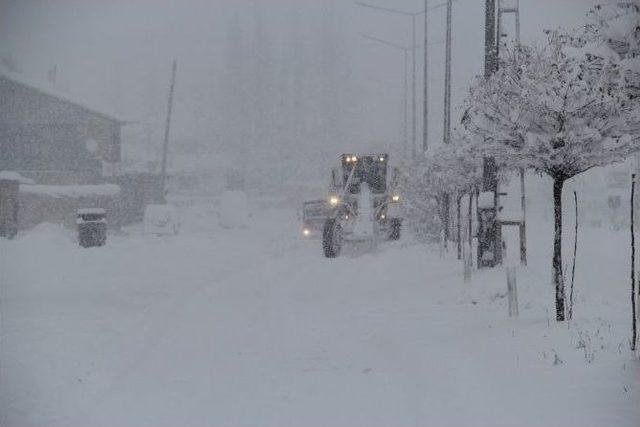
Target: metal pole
pixel 447 80
pixel 413 86
pixel 518 23
pixel 522 171
pixel 425 126
pixel 165 145
pixel 405 105
pixel 490 38
pixel 405 100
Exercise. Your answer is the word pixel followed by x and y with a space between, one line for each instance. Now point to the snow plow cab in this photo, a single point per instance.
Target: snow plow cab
pixel 364 205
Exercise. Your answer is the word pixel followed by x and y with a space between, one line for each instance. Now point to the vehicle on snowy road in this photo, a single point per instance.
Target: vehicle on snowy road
pixel 314 215
pixel 365 205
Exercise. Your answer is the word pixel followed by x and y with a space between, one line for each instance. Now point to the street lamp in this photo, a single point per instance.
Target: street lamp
pixel 405 85
pixel 413 16
pixel 405 50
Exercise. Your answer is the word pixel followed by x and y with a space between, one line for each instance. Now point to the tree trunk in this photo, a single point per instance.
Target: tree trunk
pixel 558 279
pixel 447 219
pixel 443 208
pixel 633 269
pixel 470 225
pixel 459 225
pixel 575 252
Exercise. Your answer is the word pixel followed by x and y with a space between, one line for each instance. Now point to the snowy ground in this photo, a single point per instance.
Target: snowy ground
pixel 253 327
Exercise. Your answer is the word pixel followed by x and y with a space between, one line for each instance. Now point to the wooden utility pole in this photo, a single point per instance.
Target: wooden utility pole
pixel 165 145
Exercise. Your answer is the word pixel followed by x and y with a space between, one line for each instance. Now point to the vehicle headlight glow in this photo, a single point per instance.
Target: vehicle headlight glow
pixel 381 159
pixel 333 201
pixel 354 159
pixel 306 232
pixel 395 198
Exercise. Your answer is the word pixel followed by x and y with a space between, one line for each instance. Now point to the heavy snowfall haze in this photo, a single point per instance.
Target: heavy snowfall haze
pixel 278 88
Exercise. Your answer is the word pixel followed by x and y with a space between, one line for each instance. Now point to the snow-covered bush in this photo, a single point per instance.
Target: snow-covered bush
pixel 447 170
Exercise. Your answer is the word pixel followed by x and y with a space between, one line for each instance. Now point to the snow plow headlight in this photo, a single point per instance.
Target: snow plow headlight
pixel 395 198
pixel 333 201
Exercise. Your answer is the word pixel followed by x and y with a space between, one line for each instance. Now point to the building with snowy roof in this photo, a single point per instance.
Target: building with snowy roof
pixel 51 137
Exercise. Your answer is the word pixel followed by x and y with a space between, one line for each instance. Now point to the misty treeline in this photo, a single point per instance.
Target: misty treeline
pixel 558 109
pixel 284 94
pixel 277 102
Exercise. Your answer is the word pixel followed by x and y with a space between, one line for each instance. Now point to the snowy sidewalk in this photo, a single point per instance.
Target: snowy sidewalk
pixel 254 327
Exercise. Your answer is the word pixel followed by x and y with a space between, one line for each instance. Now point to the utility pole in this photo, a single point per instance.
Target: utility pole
pixel 405 105
pixel 165 145
pixel 413 85
pixel 490 38
pixel 489 245
pixel 514 9
pixel 446 132
pixel 447 79
pixel 413 16
pixel 425 125
pixel 405 87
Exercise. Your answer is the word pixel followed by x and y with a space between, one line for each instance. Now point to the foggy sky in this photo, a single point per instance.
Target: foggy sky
pixel 118 54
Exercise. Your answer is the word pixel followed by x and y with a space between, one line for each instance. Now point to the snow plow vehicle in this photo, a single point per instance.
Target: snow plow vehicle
pixel 364 205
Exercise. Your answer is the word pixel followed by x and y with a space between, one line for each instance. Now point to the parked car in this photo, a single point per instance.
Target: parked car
pixel 161 220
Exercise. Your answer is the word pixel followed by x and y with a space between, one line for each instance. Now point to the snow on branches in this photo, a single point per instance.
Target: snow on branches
pixel 452 169
pixel 553 109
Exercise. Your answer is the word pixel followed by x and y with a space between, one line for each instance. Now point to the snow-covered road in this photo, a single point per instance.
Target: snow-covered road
pixel 254 327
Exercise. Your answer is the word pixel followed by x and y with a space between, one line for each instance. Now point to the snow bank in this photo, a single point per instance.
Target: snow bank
pixel 72 191
pixel 47 235
pixel 234 209
pixel 160 220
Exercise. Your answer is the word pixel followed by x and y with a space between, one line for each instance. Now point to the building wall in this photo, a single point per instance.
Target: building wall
pixel 43 133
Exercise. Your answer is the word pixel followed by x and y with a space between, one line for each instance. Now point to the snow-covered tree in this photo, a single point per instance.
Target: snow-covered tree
pixel 453 169
pixel 557 110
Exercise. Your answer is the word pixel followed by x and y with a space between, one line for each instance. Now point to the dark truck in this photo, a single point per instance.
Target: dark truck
pixel 314 215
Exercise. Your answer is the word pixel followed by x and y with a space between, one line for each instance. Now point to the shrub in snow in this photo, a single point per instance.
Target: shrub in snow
pixel 234 209
pixel 558 110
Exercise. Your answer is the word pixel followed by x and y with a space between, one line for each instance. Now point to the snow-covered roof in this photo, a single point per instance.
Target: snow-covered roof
pixel 91 211
pixel 72 191
pixel 47 89
pixel 15 176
